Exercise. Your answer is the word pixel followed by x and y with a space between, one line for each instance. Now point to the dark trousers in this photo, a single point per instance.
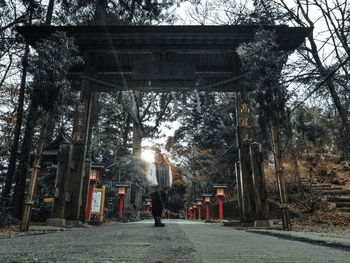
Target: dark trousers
pixel 158 199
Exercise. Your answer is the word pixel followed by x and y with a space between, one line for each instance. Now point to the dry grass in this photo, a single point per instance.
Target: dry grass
pixel 326 170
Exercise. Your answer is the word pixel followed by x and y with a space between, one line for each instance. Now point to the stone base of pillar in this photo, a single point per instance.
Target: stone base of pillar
pixel 74 223
pixel 263 223
pixel 61 222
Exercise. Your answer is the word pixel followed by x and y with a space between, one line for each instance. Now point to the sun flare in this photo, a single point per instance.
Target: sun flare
pixel 148 156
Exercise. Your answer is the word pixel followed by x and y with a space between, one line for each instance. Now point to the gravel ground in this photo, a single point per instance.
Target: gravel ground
pixel 324 224
pixel 324 230
pixel 178 241
pixel 109 243
pixel 297 225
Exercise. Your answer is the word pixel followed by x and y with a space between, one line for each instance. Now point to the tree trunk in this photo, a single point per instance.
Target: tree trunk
pixel 296 168
pixel 24 160
pixel 342 112
pixel 49 12
pixel 125 134
pixel 27 143
pixel 279 172
pixel 35 171
pixel 14 147
pixel 119 151
pixel 132 11
pixel 100 12
pixel 136 140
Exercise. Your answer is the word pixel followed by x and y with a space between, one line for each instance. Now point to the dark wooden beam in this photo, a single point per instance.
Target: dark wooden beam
pixel 161 85
pixel 166 37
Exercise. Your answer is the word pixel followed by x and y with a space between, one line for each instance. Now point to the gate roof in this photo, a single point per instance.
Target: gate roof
pixel 164 58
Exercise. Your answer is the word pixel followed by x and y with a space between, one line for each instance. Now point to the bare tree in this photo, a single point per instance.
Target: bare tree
pixel 25 16
pixel 328 50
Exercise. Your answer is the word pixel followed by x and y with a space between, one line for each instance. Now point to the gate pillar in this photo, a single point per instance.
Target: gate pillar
pixel 80 137
pixel 239 189
pixel 85 190
pixel 61 183
pixel 244 138
pixel 261 203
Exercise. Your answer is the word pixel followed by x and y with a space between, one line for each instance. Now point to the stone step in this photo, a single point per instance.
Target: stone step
pixel 327 188
pixel 339 198
pixel 334 192
pixel 338 187
pixel 321 185
pixel 342 204
pixel 344 209
pixel 324 190
pixel 347 215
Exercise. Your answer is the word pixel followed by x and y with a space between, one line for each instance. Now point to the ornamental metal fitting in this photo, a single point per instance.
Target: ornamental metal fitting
pixel 284 205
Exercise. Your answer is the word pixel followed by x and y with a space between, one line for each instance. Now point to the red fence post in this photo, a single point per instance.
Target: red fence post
pixel 220 208
pixel 121 198
pixel 207 211
pixel 121 191
pixel 220 193
pixel 207 199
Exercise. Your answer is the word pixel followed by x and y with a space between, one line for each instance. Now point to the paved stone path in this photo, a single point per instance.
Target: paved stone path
pixel 179 241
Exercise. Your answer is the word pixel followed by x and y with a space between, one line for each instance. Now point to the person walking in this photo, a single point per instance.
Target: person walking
pixel 159 178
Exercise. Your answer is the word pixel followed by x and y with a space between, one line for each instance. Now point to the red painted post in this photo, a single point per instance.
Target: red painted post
pixel 207 211
pixel 199 212
pixel 220 193
pixel 190 213
pixel 121 188
pixel 148 204
pixel 207 199
pixel 89 202
pixel 121 198
pixel 194 213
pixel 220 207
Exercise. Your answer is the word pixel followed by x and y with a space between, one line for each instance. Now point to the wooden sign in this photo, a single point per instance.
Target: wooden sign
pixel 80 123
pixel 245 122
pixel 48 199
pixel 98 199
